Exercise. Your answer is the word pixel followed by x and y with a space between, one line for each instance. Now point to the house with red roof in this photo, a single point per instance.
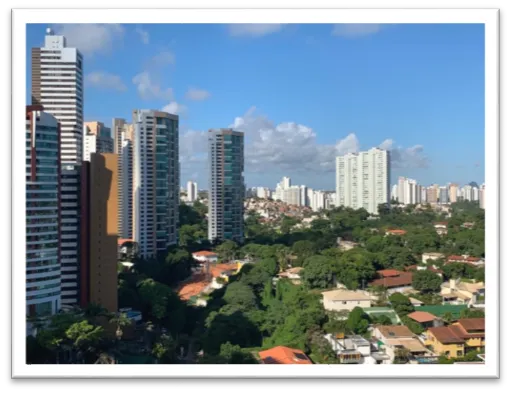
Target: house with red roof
pixel 284 355
pixel 393 280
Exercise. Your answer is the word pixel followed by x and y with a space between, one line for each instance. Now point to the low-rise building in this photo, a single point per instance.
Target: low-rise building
pixel 395 232
pixel 341 299
pixel 346 245
pixel 434 256
pixel 393 280
pixel 355 350
pixel 426 319
pixel 456 340
pixel 462 292
pixel 284 355
pixel 441 228
pixel 205 256
pixel 475 261
pixel 292 274
pixel 392 338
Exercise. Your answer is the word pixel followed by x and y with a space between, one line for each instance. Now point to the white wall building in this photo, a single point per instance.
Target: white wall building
pixel 408 191
pixel 43 286
pixel 341 299
pixel 263 192
pixel 57 84
pixel 191 191
pixel 155 181
pixel 318 200
pixel 363 179
pixel 481 196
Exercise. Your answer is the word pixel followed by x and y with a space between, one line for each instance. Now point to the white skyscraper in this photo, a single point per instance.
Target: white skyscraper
pixel 475 194
pixel 408 191
pixel 482 192
pixel 363 179
pixel 303 196
pixel 57 85
pixel 393 194
pixel 191 191
pixel 318 200
pixel 155 181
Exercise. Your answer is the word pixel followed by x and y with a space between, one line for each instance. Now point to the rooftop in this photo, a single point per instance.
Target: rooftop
pixel 422 316
pixel 441 310
pixel 446 335
pixel 204 254
pixel 394 331
pixel 284 355
pixel 344 295
pixel 472 324
pixel 404 279
pixel 389 273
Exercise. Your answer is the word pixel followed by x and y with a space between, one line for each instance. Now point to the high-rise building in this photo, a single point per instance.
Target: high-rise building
pixel 482 191
pixel 43 284
pixel 453 192
pixel 475 194
pixel 363 179
pixel 408 191
pixel 394 193
pixel 123 147
pixel 292 195
pixel 318 200
pixel 443 195
pixel 431 195
pixel 226 184
pixel 424 194
pixel 155 181
pixel 303 196
pixel 57 84
pixel 99 208
pixel 96 139
pixel 466 192
pixel 263 192
pixel 191 191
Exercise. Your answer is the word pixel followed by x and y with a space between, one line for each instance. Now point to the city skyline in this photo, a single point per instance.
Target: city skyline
pixel 449 59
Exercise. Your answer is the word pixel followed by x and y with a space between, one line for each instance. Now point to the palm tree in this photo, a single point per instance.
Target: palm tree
pixel 120 320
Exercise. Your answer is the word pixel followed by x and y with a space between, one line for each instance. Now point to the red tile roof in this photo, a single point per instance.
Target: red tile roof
pixel 397 231
pixel 422 316
pixel 389 273
pixel 455 258
pixel 472 324
pixel 405 279
pixel 446 335
pixel 284 355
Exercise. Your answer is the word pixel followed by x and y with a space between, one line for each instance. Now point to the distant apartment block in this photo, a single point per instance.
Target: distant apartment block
pixel 191 191
pixel 363 179
pixel 43 198
pixel 226 184
pixel 155 181
pixel 99 209
pixel 96 139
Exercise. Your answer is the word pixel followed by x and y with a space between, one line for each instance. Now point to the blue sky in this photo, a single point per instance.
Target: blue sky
pixel 302 93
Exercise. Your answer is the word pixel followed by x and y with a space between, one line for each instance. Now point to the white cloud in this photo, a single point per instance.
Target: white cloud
pixel 162 59
pixel 144 35
pixel 148 89
pixel 104 80
pixel 195 94
pixel 174 108
pixel 290 147
pixel 91 38
pixel 352 30
pixel 254 29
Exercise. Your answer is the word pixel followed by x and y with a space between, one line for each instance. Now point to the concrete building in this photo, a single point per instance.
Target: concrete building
pixel 57 84
pixel 408 191
pixel 155 181
pixel 481 196
pixel 96 139
pixel 191 191
pixel 99 209
pixel 443 195
pixel 431 195
pixel 123 134
pixel 318 200
pixel 453 193
pixel 394 193
pixel 475 194
pixel 263 192
pixel 292 195
pixel 341 299
pixel 226 184
pixel 363 179
pixel 466 193
pixel 43 195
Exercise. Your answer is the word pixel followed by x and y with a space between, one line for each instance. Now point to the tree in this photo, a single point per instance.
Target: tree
pixel 401 304
pixel 358 321
pixel 414 326
pixel 240 294
pixel 401 355
pixel 381 320
pixel 165 350
pixel 120 320
pixel 426 281
pixel 303 249
pixel 227 251
pixel 318 272
pixel 84 336
pixel 269 265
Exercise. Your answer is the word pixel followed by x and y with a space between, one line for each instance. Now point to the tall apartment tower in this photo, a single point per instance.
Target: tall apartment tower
pixel 42 213
pixel 363 179
pixel 155 181
pixel 226 184
pixel 191 191
pixel 96 139
pixel 57 85
pixel 482 191
pixel 123 147
pixel 98 269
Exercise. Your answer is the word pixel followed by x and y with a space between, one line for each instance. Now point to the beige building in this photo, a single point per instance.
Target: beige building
pixel 341 299
pixel 99 208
